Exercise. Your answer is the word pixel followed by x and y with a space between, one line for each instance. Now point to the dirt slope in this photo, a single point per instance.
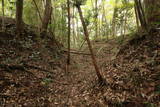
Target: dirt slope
pixel 27 65
pixel 134 76
pixel 33 73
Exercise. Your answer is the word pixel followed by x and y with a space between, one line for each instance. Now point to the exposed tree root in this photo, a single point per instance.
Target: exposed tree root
pixel 22 67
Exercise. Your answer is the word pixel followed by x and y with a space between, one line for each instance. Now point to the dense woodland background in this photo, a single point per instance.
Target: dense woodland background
pixel 89 53
pixel 104 18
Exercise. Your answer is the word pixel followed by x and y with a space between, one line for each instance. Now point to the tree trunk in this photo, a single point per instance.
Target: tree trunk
pixel 137 19
pixel 141 14
pixel 125 19
pixel 69 31
pixel 19 14
pixel 77 29
pixel 3 14
pixel 96 18
pixel 152 11
pixel 47 15
pixel 100 78
pixel 73 25
pixel 114 19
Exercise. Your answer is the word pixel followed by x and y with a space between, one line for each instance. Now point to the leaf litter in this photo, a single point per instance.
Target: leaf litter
pixel 132 73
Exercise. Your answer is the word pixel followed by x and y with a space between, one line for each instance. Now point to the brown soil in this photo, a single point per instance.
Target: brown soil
pixel 33 73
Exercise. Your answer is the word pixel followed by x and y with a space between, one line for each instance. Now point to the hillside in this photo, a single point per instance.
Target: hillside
pixel 33 72
pixel 26 66
pixel 134 75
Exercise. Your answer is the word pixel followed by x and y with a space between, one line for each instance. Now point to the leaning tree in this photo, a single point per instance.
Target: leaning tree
pixel 78 4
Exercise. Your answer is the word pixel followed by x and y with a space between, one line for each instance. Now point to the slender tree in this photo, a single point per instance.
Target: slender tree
pixel 125 19
pixel 96 18
pixel 3 14
pixel 47 15
pixel 114 19
pixel 137 17
pixel 73 25
pixel 152 11
pixel 77 26
pixel 100 78
pixel 141 14
pixel 69 31
pixel 19 14
pixel 104 20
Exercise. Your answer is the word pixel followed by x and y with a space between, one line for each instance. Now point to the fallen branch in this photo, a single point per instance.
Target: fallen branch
pixel 12 67
pixel 38 68
pixel 75 52
pixel 21 67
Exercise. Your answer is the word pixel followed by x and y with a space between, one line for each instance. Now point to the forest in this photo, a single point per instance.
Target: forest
pixel 80 53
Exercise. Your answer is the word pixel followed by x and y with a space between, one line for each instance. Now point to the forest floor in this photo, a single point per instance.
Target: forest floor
pixel 33 76
pixel 34 73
